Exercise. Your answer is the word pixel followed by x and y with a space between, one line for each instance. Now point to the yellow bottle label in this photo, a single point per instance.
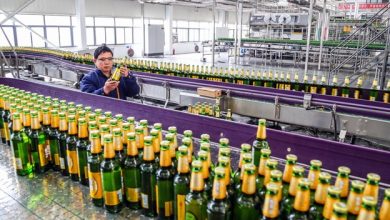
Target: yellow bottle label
pixel 313 89
pixel 334 92
pixel 287 87
pixel 144 201
pixel 57 159
pixel 328 208
pixel 366 215
pixel 168 208
pixel 47 150
pixel 95 185
pixel 323 91
pixel 354 203
pixel 371 190
pixel 181 207
pixel 343 184
pixel 356 94
pixel 157 199
pixel 72 162
pixel 386 96
pixel 112 197
pixel 133 194
pixel 372 98
pixel 314 178
pixel 6 132
pixel 384 212
pixel 42 157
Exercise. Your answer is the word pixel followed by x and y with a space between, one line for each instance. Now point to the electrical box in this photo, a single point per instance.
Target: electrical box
pixel 154 40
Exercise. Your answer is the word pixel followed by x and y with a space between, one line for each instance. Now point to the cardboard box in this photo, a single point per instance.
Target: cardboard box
pixel 209 92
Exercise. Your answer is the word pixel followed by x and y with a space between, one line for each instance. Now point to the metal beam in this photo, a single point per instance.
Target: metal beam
pixel 16 55
pixel 31 30
pixel 322 36
pixel 213 46
pixel 308 35
pixel 11 15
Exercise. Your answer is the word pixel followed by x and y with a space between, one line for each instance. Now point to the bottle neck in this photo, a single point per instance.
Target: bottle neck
pixel 205 169
pixel 35 125
pixel 271 206
pixel 261 132
pixel 182 165
pixel 313 176
pixel 321 192
pixel 83 131
pixel 132 149
pixel 262 165
pixel 219 189
pixel 354 202
pixel 118 144
pixel 371 189
pixel 165 158
pixel 197 181
pixel 16 125
pixel 148 153
pixel 292 190
pixel 287 174
pixel 302 200
pixel 109 151
pixel 328 208
pixel 342 182
pixel 384 212
pixel 139 139
pixel 249 184
pixel 72 129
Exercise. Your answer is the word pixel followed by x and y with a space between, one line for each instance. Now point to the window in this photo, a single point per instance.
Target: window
pixel 120 35
pixel 10 34
pixel 65 37
pixel 24 37
pixel 8 22
pixel 204 35
pixel 182 24
pixel 30 19
pixel 182 34
pixel 57 20
pixel 100 36
pixel 36 40
pixel 137 22
pixel 137 35
pixel 128 35
pixel 110 36
pixel 53 36
pixel 155 21
pixel 104 21
pixel 194 35
pixel 89 21
pixel 123 22
pixel 90 36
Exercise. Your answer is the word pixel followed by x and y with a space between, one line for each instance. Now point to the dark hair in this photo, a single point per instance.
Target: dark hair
pixel 102 49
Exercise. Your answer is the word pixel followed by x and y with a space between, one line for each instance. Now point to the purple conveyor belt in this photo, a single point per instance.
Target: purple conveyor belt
pixel 344 105
pixel 361 160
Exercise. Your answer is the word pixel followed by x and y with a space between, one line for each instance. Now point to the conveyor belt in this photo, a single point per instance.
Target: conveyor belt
pixel 361 160
pixel 344 105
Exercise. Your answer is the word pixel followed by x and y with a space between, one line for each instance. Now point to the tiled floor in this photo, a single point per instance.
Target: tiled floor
pixel 47 196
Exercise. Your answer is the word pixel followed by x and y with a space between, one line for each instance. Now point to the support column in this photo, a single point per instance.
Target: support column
pixel 81 32
pixel 168 29
pixel 143 28
pixel 213 42
pixel 308 35
pixel 322 33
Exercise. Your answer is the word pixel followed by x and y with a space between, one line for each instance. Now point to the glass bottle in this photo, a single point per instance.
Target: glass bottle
pixel 339 211
pixel 335 89
pixel 111 178
pixel 181 183
pixel 355 198
pixel 20 146
pixel 367 211
pixel 54 141
pixel 384 212
pixel 203 157
pixel 81 148
pixel 156 146
pixel 323 87
pixel 195 203
pixel 164 186
pixel 219 207
pixel 118 146
pixel 374 90
pixel 71 146
pixel 6 138
pixel 46 130
pixel 386 93
pixel 357 94
pixel 332 197
pixel 372 185
pixel 287 203
pixel 247 203
pixel 94 175
pixel 37 141
pixel 291 160
pixel 132 174
pixel 148 179
pixel 313 176
pixel 265 155
pixel 270 208
pixel 342 182
pixel 345 89
pixel 260 142
pixel 245 148
pixel 302 201
pixel 320 194
pixel 139 140
pixel 62 136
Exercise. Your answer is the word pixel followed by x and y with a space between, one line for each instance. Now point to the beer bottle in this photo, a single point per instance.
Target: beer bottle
pixel 225 163
pixel 332 197
pixel 245 148
pixel 131 174
pixel 271 164
pixel 158 127
pixel 260 142
pixel 173 130
pixel 374 90
pixel 384 212
pixel 317 208
pixel 20 146
pixel 287 203
pixel 164 186
pixel 181 183
pixel 139 140
pixel 195 201
pixel 313 176
pixel 313 86
pixel 345 89
pixel 104 129
pixel 94 175
pixel 335 91
pixel 287 85
pixel 339 211
pixel 203 157
pixel 276 178
pixel 2 130
pixel 63 135
pixel 171 137
pixel 323 87
pixel 342 182
pixel 306 85
pixel 27 121
pixel 301 201
pixel 46 130
pixel 189 143
pixel 357 94
pixel 265 155
pixel 118 146
pixel 386 93
pixel 270 208
pixel 148 179
pixel 12 109
pixel 144 124
pixel 125 131
pixel 37 140
pixel 113 124
pixel 6 137
pixel 54 141
pixel 71 146
pixel 204 146
pixel 102 120
pixel 111 178
pixel 355 198
pixel 119 119
pixel 372 185
pixel 217 109
pixel 81 148
pixel 219 207
pixel 367 211
pixel 247 203
pixel 131 121
pixel 296 84
pixel 156 146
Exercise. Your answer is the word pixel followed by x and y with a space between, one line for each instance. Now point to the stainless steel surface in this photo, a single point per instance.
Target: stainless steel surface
pixel 47 196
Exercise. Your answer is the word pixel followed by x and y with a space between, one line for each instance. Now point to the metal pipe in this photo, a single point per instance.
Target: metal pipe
pixel 213 46
pixel 143 28
pixel 322 35
pixel 308 35
pixel 236 35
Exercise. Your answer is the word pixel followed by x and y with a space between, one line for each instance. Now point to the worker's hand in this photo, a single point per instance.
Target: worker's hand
pixel 124 71
pixel 109 86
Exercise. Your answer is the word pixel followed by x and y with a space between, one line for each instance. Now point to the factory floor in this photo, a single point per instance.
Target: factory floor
pixel 47 196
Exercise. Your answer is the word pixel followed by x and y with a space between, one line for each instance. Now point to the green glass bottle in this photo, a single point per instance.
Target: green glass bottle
pixel 20 146
pixel 313 176
pixel 357 94
pixel 111 178
pixel 94 175
pixel 6 137
pixel 246 159
pixel 172 149
pixel 219 207
pixel 71 148
pixel 37 141
pixel 187 140
pixel 374 90
pixel 181 183
pixel 164 187
pixel 386 93
pixel 148 180
pixel 54 141
pixel 291 160
pixel 27 121
pixel 265 155
pixel 296 85
pixel 139 138
pixel 195 202
pixel 125 131
pixel 63 135
pixel 260 142
pixel 156 146
pixel 245 148
pixel 342 182
pixel 345 89
pixel 355 199
pixel 287 203
pixel 372 185
pixel 276 178
pixel 335 89
pixel 332 197
pixel 206 170
pixel 81 148
pixel 367 211
pixel 323 87
pixel 46 130
pixel 131 174
pixel 247 203
pixel 313 85
pixel 271 165
pixel 301 202
pixel 270 208
pixel 118 146
pixel 384 212
pixel 317 208
pixel 306 85
pixel 2 130
pixel 339 211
